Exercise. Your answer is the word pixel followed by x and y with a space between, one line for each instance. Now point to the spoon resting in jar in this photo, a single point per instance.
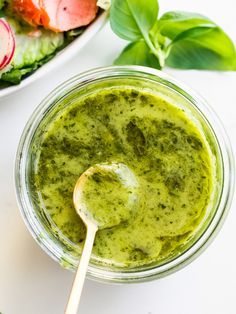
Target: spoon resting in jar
pixel 104 196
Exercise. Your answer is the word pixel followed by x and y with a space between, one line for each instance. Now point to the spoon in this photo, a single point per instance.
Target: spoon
pixel 102 173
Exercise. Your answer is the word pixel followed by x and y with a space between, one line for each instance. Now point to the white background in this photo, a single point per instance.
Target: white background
pixel 32 283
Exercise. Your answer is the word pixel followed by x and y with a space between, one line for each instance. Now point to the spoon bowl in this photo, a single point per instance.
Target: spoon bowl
pixel 91 203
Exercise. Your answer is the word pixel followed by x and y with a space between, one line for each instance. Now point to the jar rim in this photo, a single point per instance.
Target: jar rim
pixel 212 119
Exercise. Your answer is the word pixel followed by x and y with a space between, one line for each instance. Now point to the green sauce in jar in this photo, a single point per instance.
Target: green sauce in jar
pixel 162 147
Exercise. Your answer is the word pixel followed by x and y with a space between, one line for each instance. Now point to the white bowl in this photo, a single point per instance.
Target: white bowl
pixel 62 56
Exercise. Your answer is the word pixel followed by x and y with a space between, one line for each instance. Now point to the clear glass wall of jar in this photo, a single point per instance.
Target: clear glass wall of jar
pixel 177 94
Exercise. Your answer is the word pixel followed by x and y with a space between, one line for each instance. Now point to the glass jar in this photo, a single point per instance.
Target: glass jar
pixel 147 79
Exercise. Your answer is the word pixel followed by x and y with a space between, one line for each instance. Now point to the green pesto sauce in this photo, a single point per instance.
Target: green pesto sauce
pixel 160 145
pixel 108 195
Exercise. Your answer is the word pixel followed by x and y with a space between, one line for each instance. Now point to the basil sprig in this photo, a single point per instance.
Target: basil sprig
pixel 178 39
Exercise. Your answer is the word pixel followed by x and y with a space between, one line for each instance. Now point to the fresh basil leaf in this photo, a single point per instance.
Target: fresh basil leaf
pixel 138 53
pixel 203 48
pixel 171 24
pixel 157 39
pixel 193 33
pixel 132 19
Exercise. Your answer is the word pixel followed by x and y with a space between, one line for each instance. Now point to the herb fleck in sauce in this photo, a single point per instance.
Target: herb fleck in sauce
pixel 162 147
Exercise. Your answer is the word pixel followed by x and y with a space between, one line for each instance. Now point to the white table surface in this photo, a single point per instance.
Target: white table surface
pixel 32 283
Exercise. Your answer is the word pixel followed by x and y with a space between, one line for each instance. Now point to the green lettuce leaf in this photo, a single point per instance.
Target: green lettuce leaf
pixel 33 48
pixel 14 76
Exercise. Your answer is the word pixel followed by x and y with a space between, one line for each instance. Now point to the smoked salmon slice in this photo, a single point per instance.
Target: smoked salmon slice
pixel 64 15
pixel 29 10
pixel 57 15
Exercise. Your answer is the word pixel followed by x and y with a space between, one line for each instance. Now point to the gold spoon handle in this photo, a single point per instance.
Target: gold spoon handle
pixel 73 303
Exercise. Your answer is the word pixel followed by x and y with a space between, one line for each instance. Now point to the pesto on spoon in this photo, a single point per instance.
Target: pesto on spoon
pixel 99 212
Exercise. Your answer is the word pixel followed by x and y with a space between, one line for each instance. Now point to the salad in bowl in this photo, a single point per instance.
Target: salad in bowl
pixel 32 32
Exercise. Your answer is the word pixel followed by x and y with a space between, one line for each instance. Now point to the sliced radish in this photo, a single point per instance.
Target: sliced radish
pixel 5 38
pixel 12 47
pixel 7 46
